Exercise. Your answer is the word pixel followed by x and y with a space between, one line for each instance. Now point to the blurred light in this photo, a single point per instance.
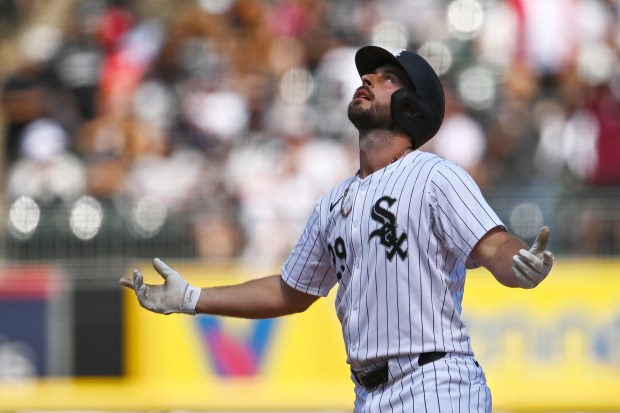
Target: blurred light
pixel 476 86
pixel 40 42
pixel 216 6
pixel 223 114
pixel 147 217
pixel 296 86
pixel 596 62
pixel 461 140
pixel 390 35
pixel 86 218
pixel 595 20
pixel 43 139
pixel 465 18
pixel 438 55
pixel 526 219
pixel 24 216
pixel 154 103
pixel 498 38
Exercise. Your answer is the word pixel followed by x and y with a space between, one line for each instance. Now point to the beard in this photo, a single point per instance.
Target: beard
pixel 377 117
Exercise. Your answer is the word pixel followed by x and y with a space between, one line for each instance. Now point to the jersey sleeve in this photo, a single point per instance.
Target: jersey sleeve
pixel 461 214
pixel 308 267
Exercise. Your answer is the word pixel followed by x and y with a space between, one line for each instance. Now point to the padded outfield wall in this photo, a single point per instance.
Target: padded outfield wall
pixel 555 348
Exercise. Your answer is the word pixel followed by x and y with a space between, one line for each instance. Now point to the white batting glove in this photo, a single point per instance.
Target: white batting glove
pixel 533 266
pixel 175 295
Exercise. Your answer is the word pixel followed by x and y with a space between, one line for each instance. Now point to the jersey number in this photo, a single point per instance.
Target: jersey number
pixel 338 252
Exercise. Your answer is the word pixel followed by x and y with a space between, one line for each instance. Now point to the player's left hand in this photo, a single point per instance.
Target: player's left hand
pixel 533 265
pixel 175 295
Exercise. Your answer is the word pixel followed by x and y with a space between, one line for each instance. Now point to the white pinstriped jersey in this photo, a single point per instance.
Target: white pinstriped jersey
pixel 399 258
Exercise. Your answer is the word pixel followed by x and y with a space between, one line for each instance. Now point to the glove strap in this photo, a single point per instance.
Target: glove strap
pixel 190 299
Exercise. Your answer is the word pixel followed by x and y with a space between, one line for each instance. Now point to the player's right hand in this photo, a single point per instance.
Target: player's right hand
pixel 533 265
pixel 175 295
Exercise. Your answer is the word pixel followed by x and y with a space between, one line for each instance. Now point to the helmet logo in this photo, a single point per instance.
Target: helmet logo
pixel 399 52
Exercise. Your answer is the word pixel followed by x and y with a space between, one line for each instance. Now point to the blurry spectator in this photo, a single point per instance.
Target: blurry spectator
pixel 541 25
pixel 288 170
pixel 336 81
pixel 177 176
pixel 212 120
pixel 109 144
pixel 46 171
pixel 77 63
pixel 461 139
pixel 23 100
pixel 248 38
pixel 212 49
pixel 512 137
pixel 600 221
pixel 605 106
pixel 196 46
pixel 9 14
pixel 184 182
pixel 114 23
pixel 124 67
pixel 29 92
pixel 204 92
pixel 289 18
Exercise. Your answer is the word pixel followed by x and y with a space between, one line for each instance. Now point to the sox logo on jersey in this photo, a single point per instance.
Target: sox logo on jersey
pixel 396 244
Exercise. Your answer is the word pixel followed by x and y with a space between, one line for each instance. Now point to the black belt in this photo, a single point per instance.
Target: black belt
pixel 371 379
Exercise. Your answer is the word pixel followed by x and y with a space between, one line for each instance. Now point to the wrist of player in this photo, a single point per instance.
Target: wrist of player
pixel 190 300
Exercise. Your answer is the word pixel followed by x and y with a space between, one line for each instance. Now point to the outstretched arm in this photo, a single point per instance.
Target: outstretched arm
pixel 511 261
pixel 261 298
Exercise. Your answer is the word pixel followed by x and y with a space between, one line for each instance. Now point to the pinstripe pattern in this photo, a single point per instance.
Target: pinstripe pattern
pixel 399 260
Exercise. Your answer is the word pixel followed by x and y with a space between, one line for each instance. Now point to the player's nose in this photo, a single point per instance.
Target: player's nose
pixel 368 79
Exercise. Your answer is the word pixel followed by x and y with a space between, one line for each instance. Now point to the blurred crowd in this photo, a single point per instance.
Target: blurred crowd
pixel 234 111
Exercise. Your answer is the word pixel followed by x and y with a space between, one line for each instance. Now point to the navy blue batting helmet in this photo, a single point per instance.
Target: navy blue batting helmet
pixel 419 108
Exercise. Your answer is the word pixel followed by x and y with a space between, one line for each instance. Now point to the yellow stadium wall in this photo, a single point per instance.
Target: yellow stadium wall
pixel 555 348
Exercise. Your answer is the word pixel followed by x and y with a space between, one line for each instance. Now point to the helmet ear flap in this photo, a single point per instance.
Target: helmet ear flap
pixel 415 116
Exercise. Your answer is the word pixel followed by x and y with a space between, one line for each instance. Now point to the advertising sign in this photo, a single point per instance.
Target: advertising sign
pixel 554 348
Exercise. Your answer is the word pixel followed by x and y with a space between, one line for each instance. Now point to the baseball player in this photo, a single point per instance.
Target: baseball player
pixel 396 239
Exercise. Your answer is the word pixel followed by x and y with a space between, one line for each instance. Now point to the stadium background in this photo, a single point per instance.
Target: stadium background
pixel 203 131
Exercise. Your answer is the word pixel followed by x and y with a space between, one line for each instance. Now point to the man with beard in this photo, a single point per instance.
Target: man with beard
pixel 397 239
